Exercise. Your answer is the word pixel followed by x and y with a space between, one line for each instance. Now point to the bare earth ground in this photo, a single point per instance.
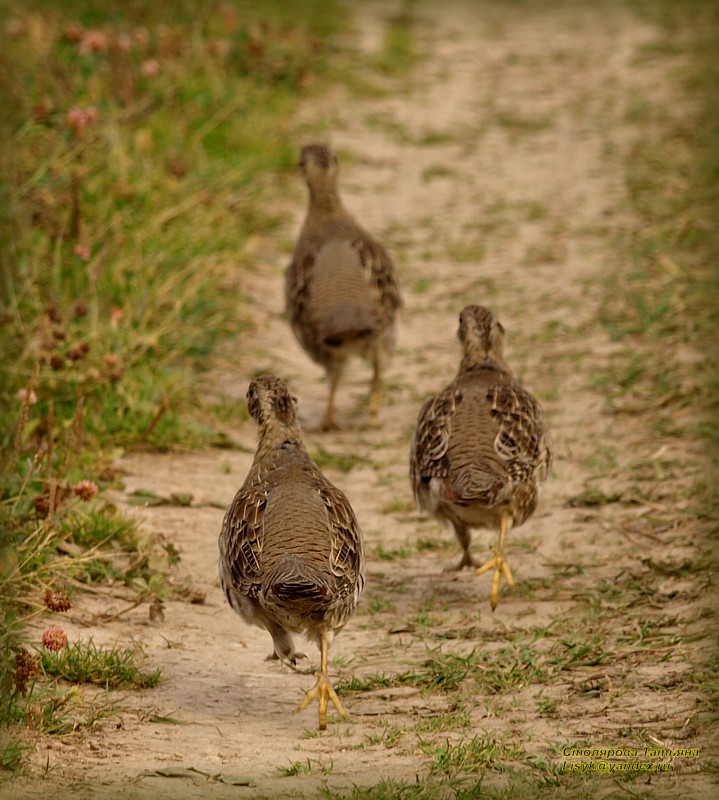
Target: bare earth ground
pixel 494 178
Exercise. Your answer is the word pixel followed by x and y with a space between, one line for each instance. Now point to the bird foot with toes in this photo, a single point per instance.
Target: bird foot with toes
pixel 323 691
pixel 501 568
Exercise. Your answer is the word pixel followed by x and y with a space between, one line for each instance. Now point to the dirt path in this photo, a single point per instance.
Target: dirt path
pixel 493 179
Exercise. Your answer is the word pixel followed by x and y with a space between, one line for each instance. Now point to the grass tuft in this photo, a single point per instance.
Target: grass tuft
pixel 111 667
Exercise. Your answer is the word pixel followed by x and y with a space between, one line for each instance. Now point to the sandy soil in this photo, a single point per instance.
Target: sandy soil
pixel 494 178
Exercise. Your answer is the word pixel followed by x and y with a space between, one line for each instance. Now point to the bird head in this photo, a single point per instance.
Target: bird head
pixel 319 166
pixel 481 335
pixel 269 400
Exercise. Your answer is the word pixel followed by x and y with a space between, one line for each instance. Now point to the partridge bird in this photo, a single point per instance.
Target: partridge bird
pixel 291 551
pixel 342 294
pixel 481 448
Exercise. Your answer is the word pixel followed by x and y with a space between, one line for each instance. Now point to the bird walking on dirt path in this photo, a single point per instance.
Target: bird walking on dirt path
pixel 291 551
pixel 481 448
pixel 341 289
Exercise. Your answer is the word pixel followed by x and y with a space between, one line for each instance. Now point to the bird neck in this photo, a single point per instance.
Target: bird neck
pixel 325 201
pixel 483 360
pixel 275 433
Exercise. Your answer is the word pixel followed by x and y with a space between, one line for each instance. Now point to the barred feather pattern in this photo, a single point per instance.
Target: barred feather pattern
pixel 291 551
pixel 430 443
pixel 293 528
pixel 522 441
pixel 337 266
pixel 481 446
pixel 340 269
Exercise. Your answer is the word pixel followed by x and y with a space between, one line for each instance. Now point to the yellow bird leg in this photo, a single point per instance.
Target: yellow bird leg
pixel 323 690
pixel 498 564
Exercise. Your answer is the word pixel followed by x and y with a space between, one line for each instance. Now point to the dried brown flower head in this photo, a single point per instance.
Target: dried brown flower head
pixel 177 167
pixel 26 666
pixel 42 505
pixel 53 312
pixel 78 352
pixel 57 600
pixel 73 33
pixel 93 41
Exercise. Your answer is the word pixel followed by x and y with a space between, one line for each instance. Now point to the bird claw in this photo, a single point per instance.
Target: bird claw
pixel 501 568
pixel 290 661
pixel 507 572
pixel 465 561
pixel 324 692
pixel 491 564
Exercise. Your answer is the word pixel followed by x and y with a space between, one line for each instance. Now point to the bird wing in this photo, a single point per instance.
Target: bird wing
pixel 297 285
pixel 380 267
pixel 522 440
pixel 347 551
pixel 430 443
pixel 242 536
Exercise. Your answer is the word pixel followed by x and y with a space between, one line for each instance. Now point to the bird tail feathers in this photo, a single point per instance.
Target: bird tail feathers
pixel 346 323
pixel 291 581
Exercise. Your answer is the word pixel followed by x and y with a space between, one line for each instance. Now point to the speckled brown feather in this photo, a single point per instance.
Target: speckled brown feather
pixel 341 289
pixel 381 294
pixel 481 446
pixel 291 552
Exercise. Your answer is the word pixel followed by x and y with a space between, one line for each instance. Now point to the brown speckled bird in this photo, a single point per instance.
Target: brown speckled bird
pixel 291 551
pixel 342 293
pixel 481 447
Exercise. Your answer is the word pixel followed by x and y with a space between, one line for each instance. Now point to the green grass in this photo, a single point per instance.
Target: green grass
pixel 468 756
pixel 390 736
pixel 11 754
pixel 547 706
pixel 652 488
pixel 465 250
pixel 399 51
pixel 110 667
pixel 309 766
pixel 437 171
pixel 57 710
pixel 379 605
pixel 484 672
pixel 455 719
pixel 146 234
pixel 667 284
pixel 521 124
pixel 389 789
pixel 344 462
pixel 393 554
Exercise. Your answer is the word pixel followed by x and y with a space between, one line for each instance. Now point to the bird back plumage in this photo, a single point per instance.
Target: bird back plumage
pixel 341 288
pixel 291 550
pixel 481 446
